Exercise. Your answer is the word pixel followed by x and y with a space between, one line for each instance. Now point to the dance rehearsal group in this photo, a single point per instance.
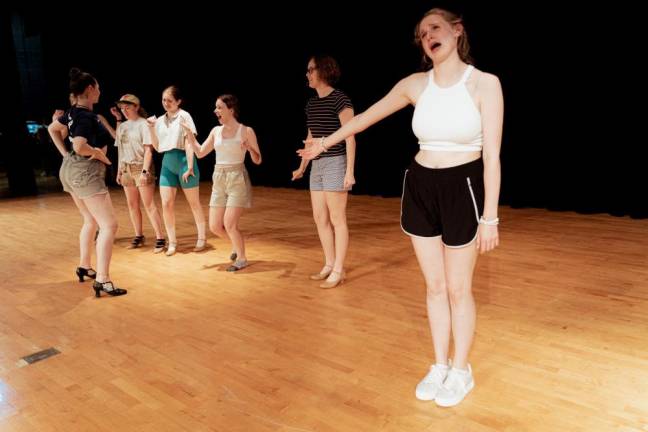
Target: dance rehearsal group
pixel 450 192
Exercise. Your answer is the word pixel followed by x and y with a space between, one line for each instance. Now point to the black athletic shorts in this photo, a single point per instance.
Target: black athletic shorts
pixel 444 202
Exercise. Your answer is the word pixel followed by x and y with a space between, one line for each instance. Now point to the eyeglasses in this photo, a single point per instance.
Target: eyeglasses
pixel 311 69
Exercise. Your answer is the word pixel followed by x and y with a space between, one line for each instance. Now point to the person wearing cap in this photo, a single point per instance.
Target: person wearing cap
pixel 136 172
pixel 179 166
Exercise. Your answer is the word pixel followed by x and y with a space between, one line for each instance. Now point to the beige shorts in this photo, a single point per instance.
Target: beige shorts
pixel 82 176
pixel 232 187
pixel 131 175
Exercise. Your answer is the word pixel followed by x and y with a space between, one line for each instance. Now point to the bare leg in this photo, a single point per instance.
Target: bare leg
pixel 460 264
pixel 132 199
pixel 87 233
pixel 429 252
pixel 148 198
pixel 168 195
pixel 193 198
pixel 232 216
pixel 100 206
pixel 336 205
pixel 324 227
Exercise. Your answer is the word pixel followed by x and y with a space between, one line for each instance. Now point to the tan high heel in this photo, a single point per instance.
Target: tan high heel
pixel 332 284
pixel 200 245
pixel 323 274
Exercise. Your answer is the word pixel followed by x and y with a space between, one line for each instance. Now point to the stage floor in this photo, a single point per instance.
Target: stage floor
pixel 561 343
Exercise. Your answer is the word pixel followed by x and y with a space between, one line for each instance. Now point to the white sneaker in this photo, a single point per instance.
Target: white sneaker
pixel 427 389
pixel 456 386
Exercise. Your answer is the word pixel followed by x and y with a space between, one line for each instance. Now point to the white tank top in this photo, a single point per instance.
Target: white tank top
pixel 229 150
pixel 446 118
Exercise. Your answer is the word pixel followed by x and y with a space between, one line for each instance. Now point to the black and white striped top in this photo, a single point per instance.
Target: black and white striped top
pixel 323 118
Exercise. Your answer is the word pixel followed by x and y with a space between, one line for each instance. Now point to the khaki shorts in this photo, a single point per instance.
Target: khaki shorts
pixel 131 175
pixel 82 176
pixel 232 187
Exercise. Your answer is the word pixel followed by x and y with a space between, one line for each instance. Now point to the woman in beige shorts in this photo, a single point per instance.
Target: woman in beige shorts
pixel 232 190
pixel 83 176
pixel 136 172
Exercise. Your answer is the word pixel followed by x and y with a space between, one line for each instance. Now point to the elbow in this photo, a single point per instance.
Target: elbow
pixel 490 159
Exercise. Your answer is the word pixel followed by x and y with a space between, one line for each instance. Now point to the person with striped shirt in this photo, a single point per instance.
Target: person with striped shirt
pixel 331 175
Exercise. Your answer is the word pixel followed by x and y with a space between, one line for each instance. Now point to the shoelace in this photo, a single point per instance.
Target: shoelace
pixel 435 374
pixel 453 378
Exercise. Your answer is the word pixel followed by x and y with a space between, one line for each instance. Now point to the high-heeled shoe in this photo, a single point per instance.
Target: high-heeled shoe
pixel 171 250
pixel 160 244
pixel 200 245
pixel 108 288
pixel 237 265
pixel 326 271
pixel 335 282
pixel 83 272
pixel 136 242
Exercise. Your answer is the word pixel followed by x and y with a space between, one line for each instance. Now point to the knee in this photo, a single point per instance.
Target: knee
pixel 436 288
pixel 458 291
pixel 89 221
pixel 109 226
pixel 167 205
pixel 150 208
pixel 217 229
pixel 231 226
pixel 339 220
pixel 321 219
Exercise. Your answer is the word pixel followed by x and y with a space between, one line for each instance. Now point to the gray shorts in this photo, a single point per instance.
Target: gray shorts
pixel 83 177
pixel 327 174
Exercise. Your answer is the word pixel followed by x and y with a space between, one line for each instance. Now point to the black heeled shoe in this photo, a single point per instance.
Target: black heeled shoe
pixel 82 272
pixel 137 241
pixel 108 288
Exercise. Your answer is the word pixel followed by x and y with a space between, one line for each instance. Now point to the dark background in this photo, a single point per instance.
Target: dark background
pixel 568 140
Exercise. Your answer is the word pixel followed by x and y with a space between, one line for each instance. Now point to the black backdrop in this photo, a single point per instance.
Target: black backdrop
pixel 567 140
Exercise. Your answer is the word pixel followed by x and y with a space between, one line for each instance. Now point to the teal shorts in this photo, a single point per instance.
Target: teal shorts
pixel 174 164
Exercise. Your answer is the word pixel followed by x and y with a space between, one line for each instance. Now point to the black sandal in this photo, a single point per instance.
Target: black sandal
pixel 160 244
pixel 83 272
pixel 108 288
pixel 136 242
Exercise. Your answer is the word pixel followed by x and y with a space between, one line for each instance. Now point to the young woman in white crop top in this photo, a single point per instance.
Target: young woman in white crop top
pixel 232 190
pixel 450 192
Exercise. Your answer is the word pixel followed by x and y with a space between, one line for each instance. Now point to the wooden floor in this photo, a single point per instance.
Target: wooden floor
pixel 561 344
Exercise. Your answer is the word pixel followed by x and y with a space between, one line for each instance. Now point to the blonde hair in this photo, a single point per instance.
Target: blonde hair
pixel 463 47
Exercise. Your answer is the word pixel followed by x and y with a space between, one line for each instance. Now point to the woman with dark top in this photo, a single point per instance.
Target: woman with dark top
pixel 83 177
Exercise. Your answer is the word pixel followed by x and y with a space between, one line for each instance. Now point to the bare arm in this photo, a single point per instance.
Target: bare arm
pixel 105 124
pixel 492 112
pixel 349 177
pixel 81 147
pixel 58 132
pixel 251 145
pixel 148 158
pixel 299 172
pixel 398 98
pixel 200 150
pixel 154 138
